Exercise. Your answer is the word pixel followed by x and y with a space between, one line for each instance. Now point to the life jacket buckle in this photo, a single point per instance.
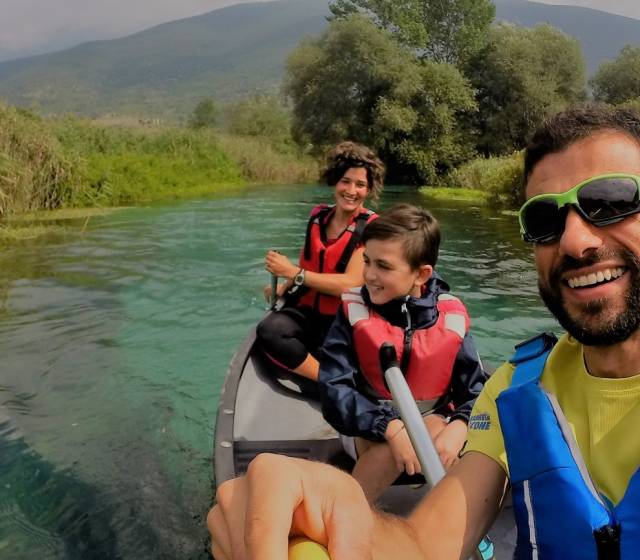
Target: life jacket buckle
pixel 607 540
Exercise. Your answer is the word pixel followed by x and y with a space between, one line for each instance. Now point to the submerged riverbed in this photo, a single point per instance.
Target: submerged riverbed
pixel 115 335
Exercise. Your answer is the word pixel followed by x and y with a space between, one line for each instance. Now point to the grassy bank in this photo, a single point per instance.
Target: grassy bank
pixel 61 163
pixel 455 193
pixel 120 166
pixel 48 164
pixel 497 180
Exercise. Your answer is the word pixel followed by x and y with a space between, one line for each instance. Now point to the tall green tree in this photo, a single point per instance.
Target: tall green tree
pixel 357 82
pixel 204 115
pixel 618 81
pixel 440 30
pixel 521 76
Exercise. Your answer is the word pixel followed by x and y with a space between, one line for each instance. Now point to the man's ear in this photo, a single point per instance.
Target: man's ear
pixel 424 274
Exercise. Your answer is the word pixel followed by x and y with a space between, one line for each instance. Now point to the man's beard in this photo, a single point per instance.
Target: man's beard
pixel 598 331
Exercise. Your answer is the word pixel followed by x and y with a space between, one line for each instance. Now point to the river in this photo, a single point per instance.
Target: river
pixel 115 336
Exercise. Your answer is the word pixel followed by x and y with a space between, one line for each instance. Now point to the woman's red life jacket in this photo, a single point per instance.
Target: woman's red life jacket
pixel 432 351
pixel 332 257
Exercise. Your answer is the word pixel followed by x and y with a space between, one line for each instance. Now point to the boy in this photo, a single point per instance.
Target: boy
pixel 404 302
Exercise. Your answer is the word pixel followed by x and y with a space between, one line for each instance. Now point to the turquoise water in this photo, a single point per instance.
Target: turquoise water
pixel 115 338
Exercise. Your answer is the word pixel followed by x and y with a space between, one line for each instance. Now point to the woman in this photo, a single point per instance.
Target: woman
pixel 330 262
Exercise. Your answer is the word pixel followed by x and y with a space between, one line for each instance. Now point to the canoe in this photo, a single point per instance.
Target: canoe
pixel 263 408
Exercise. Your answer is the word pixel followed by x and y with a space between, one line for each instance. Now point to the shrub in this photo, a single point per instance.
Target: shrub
pixel 204 115
pixel 261 162
pixel 499 177
pixel 35 171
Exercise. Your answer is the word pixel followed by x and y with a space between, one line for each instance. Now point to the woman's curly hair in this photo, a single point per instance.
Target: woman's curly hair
pixel 349 154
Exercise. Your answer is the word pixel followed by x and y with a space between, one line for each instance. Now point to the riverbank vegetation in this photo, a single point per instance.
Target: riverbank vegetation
pixel 68 162
pixel 498 178
pixel 444 94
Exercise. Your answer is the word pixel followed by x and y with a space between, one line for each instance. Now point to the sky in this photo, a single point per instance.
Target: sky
pixel 628 8
pixel 35 26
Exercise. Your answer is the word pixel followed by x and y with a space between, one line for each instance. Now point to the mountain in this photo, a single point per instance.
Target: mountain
pixel 230 52
pixel 601 34
pixel 54 29
pixel 225 53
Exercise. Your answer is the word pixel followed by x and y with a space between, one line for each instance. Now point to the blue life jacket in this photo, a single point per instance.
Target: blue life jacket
pixel 559 513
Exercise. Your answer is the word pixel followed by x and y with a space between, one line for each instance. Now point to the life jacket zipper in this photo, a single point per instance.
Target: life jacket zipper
pixel 407 341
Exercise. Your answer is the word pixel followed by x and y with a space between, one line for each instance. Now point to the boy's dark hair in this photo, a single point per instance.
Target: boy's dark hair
pixel 563 129
pixel 416 227
pixel 349 154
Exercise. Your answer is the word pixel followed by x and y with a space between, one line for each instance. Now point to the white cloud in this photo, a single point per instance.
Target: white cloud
pixel 34 26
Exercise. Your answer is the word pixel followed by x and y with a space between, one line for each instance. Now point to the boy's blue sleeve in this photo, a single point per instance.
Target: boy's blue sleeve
pixel 467 379
pixel 348 410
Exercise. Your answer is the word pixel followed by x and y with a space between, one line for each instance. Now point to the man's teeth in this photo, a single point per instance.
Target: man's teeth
pixel 595 277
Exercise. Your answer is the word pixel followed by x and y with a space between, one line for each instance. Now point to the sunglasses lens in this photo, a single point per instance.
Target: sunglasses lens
pixel 608 198
pixel 543 220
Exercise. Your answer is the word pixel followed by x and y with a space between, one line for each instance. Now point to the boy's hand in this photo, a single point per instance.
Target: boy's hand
pixel 449 442
pixel 403 453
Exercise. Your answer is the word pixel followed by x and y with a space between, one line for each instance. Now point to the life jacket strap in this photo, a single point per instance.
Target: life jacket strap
pixel 317 218
pixel 530 357
pixel 356 235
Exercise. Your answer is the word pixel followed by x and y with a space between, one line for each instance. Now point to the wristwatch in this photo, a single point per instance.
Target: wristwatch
pixel 298 279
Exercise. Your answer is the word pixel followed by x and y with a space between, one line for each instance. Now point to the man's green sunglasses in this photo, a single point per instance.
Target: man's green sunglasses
pixel 601 200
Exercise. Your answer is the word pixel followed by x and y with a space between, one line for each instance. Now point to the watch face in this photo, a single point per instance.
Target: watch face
pixel 299 279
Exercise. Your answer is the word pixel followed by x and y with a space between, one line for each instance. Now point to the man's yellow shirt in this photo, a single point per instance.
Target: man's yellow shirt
pixel 603 413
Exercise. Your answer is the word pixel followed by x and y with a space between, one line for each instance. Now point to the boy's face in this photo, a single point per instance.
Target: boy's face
pixel 387 273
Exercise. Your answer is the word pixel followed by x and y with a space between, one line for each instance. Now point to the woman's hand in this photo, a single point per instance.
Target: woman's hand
pixel 278 264
pixel 280 290
pixel 449 442
pixel 402 450
pixel 281 497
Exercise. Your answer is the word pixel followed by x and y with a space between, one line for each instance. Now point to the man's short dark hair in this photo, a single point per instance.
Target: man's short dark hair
pixel 415 227
pixel 349 154
pixel 567 127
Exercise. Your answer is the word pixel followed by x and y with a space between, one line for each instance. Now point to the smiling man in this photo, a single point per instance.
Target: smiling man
pixel 558 422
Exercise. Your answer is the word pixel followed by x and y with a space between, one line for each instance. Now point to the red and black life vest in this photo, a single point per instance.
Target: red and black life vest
pixel 320 255
pixel 427 355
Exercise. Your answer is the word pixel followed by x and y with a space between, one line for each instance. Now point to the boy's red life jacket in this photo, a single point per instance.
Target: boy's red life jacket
pixel 427 355
pixel 320 255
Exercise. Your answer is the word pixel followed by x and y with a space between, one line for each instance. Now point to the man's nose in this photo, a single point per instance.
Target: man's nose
pixel 579 236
